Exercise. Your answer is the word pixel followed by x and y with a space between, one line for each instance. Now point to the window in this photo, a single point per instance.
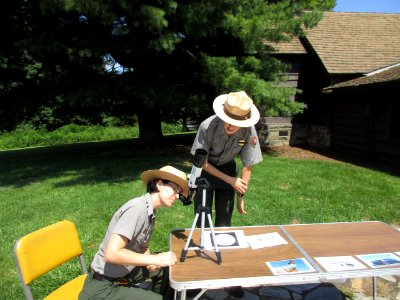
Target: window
pixel 283 133
pixel 395 120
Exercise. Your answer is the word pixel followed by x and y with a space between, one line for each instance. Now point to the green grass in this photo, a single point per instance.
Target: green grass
pixel 27 136
pixel 87 182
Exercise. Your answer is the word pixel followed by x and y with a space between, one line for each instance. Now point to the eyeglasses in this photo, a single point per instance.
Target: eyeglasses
pixel 177 189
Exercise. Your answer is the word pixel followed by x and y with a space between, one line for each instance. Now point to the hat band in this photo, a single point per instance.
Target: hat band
pixel 236 117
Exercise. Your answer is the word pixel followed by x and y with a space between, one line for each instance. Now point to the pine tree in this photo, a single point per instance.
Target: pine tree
pixel 175 56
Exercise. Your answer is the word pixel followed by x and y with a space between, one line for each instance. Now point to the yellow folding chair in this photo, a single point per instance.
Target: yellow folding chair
pixel 45 249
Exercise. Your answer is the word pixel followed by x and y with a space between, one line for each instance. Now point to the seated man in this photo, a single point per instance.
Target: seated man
pixel 123 259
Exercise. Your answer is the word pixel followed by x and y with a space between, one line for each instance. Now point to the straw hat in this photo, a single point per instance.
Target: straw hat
pixel 236 109
pixel 168 173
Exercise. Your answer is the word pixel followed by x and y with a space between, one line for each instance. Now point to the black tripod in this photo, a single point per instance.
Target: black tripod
pixel 202 184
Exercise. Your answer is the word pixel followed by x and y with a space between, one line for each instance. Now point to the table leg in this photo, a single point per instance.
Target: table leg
pixel 182 295
pixel 200 294
pixel 374 287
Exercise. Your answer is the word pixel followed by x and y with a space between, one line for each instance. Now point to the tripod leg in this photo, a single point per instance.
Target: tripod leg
pixel 185 250
pixel 219 257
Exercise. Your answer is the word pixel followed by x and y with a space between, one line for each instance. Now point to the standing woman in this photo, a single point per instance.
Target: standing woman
pixel 228 133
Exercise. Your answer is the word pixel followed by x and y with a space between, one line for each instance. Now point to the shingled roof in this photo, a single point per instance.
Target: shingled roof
pixel 356 43
pixel 294 46
pixel 386 75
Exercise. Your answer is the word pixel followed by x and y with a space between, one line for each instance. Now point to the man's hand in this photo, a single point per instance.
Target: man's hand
pixel 240 205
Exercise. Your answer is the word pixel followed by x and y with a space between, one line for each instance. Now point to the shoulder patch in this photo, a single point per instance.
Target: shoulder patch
pixel 253 140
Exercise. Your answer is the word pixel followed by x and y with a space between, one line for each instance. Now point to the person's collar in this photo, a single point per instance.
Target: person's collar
pixel 149 204
pixel 221 129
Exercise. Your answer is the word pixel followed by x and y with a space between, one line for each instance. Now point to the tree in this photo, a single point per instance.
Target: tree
pixel 177 55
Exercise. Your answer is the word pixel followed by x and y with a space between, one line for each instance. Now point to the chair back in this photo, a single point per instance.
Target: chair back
pixel 45 249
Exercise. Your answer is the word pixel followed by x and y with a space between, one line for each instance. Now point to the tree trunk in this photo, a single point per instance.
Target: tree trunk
pixel 150 133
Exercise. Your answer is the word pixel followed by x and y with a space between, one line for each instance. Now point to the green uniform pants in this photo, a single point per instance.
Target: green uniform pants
pixel 223 193
pixel 127 287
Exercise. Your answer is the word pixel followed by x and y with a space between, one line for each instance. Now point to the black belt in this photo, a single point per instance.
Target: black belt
pixel 102 277
pixel 125 280
pixel 228 164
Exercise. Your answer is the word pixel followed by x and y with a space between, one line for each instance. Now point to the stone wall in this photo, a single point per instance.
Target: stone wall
pixel 274 131
pixel 280 131
pixel 315 136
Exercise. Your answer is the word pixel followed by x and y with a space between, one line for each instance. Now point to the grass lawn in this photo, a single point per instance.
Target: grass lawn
pixel 87 182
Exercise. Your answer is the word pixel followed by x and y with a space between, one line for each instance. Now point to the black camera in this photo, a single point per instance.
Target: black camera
pixel 199 158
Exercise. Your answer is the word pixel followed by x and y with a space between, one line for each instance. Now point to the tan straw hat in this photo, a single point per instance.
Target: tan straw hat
pixel 236 109
pixel 168 173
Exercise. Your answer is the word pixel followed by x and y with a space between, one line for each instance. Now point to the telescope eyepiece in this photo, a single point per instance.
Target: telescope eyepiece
pixel 199 158
pixel 184 200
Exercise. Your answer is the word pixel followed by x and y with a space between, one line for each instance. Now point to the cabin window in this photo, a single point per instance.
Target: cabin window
pixel 395 120
pixel 283 133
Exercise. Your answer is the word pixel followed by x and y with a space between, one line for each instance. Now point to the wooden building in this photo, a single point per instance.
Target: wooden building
pixel 364 118
pixel 347 67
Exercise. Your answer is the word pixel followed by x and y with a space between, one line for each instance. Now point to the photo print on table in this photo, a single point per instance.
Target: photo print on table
pixel 380 260
pixel 290 266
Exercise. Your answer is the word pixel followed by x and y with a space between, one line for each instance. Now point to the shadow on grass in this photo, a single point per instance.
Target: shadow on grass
pixel 85 163
pixel 115 161
pixel 342 157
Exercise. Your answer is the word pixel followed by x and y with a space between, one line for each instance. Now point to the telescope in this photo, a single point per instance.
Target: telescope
pixel 199 183
pixel 199 158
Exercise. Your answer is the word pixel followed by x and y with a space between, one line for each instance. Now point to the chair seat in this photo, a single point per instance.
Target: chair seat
pixel 68 291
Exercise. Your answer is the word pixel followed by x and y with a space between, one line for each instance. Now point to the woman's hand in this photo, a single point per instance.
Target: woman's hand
pixel 240 205
pixel 166 259
pixel 239 185
pixel 152 268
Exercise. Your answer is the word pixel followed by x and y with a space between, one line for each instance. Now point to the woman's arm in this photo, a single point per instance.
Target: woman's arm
pixel 246 174
pixel 238 184
pixel 116 253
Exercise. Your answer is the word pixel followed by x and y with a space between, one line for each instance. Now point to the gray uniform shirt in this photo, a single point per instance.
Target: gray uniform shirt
pixel 135 221
pixel 222 148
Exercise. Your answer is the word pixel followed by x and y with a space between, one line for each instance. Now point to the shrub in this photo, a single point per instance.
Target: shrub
pixel 26 136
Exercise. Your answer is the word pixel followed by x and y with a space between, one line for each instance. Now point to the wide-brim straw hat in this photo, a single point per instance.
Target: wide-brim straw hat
pixel 168 173
pixel 236 109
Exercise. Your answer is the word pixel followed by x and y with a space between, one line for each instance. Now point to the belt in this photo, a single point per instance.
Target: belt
pixel 228 164
pixel 101 277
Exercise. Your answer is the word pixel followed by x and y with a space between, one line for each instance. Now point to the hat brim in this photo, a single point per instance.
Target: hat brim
pixel 218 107
pixel 158 174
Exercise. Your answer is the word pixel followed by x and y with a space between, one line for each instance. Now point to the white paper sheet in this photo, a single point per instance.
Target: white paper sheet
pixel 265 240
pixel 340 263
pixel 226 239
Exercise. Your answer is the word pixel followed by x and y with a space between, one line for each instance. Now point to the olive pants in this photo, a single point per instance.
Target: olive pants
pixel 127 287
pixel 223 193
